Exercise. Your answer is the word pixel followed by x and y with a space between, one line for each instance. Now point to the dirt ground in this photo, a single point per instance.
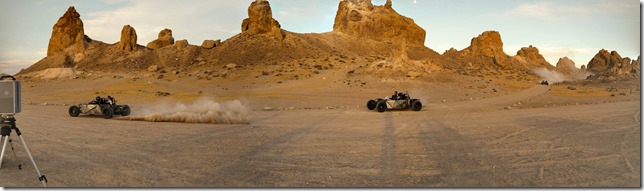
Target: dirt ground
pixel 317 133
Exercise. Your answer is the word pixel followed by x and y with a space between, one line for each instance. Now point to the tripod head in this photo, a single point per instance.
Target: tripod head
pixel 8 123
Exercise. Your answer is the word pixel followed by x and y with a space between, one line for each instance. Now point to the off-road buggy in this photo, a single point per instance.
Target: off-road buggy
pixel 105 107
pixel 398 101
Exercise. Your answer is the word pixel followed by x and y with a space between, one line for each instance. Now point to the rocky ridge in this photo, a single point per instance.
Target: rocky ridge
pixel 485 53
pixel 263 42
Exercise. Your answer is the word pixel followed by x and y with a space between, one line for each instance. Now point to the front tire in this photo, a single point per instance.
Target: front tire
pixel 126 110
pixel 74 111
pixel 382 106
pixel 371 104
pixel 416 105
pixel 108 112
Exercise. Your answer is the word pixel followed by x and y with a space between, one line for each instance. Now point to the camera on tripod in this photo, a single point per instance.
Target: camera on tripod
pixel 10 105
pixel 9 95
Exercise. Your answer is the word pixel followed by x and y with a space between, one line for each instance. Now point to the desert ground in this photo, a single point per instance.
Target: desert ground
pixel 317 132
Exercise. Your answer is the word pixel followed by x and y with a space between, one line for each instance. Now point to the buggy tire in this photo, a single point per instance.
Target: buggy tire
pixel 416 105
pixel 371 104
pixel 125 111
pixel 108 112
pixel 74 111
pixel 381 106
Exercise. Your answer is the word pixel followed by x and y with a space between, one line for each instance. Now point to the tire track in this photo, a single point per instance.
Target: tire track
pixel 242 173
pixel 389 166
pixel 266 118
pixel 622 148
pixel 460 161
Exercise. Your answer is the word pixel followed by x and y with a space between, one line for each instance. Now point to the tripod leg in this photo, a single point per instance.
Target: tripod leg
pixel 4 146
pixel 14 153
pixel 41 177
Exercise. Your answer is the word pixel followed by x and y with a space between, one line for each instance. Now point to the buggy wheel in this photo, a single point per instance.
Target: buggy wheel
pixel 382 106
pixel 416 105
pixel 125 111
pixel 74 111
pixel 108 112
pixel 371 104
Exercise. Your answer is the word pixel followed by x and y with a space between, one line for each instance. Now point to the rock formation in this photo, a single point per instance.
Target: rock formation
pixel 260 21
pixel 486 53
pixel 451 52
pixel 612 64
pixel 361 18
pixel 181 44
pixel 636 65
pixel 488 44
pixel 128 38
pixel 262 42
pixel 164 39
pixel 208 44
pixel 531 55
pixel 583 69
pixel 567 67
pixel 388 4
pixel 565 64
pixel 66 32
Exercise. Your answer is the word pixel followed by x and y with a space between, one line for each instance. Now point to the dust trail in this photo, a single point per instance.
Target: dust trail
pixel 200 111
pixel 550 76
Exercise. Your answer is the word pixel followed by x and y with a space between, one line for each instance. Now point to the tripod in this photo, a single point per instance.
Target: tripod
pixel 9 123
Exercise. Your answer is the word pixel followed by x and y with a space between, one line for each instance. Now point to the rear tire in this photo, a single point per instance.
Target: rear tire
pixel 74 111
pixel 416 105
pixel 382 106
pixel 125 111
pixel 108 112
pixel 371 104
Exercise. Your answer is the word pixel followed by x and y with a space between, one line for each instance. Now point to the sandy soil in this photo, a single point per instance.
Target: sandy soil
pixel 471 133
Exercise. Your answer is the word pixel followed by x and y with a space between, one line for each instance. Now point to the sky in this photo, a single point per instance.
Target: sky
pixel 577 29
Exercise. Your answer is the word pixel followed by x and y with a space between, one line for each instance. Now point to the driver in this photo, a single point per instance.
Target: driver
pixel 110 100
pixel 395 96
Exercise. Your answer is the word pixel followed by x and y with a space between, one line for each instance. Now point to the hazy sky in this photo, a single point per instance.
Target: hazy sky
pixel 574 28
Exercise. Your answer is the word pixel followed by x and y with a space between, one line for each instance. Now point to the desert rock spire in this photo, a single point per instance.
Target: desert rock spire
pixel 362 19
pixel 66 32
pixel 128 38
pixel 260 20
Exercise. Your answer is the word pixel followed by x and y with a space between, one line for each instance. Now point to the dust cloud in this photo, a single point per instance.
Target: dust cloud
pixel 200 111
pixel 550 76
